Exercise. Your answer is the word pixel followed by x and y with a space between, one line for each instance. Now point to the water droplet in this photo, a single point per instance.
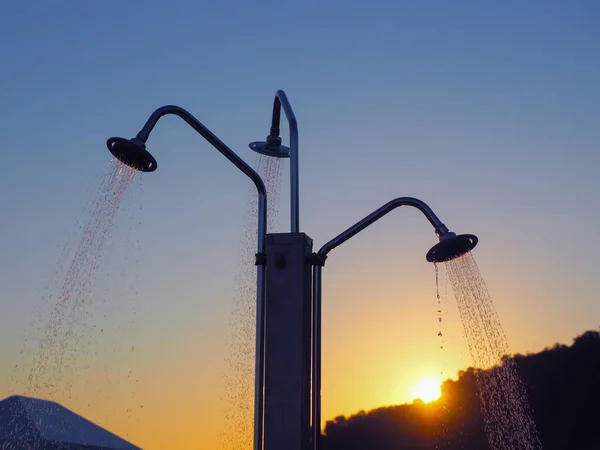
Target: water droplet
pixel 437 280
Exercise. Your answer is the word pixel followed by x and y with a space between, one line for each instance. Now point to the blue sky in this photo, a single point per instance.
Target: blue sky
pixel 488 111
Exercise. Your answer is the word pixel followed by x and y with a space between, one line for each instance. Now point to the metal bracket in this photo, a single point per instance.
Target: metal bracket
pixel 316 259
pixel 261 259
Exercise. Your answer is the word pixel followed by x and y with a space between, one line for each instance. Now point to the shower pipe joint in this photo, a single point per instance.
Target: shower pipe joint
pixel 260 259
pixel 316 259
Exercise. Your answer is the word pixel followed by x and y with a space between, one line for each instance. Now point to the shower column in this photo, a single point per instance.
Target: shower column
pixel 288 342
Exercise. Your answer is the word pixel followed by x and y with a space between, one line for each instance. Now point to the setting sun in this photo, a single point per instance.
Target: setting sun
pixel 428 390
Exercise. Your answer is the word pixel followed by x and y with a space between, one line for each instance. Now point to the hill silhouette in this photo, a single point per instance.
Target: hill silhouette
pixel 562 382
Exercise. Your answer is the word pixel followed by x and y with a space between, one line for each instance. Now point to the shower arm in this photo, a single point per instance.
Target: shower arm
pixel 261 245
pixel 439 227
pixel 318 263
pixel 206 134
pixel 281 101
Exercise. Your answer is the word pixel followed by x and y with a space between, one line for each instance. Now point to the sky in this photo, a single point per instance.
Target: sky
pixel 487 111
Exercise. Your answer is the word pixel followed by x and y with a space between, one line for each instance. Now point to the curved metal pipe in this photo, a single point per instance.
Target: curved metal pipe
pixel 281 101
pixel 261 246
pixel 206 134
pixel 440 229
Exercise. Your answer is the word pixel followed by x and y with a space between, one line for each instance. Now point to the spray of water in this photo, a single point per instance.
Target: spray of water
pixel 504 404
pixel 57 349
pixel 238 401
pixel 107 325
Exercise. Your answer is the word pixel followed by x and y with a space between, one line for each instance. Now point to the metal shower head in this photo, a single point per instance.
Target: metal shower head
pixel 451 246
pixel 272 147
pixel 133 153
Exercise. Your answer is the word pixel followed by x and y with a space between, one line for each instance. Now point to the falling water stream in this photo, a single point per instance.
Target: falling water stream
pixel 54 358
pixel 504 405
pixel 238 398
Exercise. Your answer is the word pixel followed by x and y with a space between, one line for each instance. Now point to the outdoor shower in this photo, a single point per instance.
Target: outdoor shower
pixel 287 409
